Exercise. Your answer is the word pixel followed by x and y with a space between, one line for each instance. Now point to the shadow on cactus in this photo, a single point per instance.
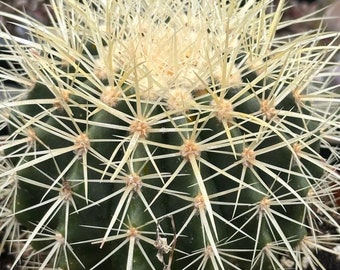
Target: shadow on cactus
pixel 167 135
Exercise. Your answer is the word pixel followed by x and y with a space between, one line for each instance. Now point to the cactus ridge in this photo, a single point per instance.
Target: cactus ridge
pixel 168 135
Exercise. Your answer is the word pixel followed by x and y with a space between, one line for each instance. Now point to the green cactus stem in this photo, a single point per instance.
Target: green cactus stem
pixel 167 135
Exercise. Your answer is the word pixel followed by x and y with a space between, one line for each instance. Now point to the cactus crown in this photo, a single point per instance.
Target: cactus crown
pixel 175 134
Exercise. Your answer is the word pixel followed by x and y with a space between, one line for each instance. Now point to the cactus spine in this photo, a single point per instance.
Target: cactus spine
pixel 167 134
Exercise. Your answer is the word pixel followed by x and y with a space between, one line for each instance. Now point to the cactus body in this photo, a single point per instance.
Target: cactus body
pixel 175 135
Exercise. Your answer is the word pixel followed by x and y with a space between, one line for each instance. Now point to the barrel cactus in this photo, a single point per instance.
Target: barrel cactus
pixel 167 135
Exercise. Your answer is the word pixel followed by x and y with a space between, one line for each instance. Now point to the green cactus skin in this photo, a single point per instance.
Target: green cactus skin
pixel 172 135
